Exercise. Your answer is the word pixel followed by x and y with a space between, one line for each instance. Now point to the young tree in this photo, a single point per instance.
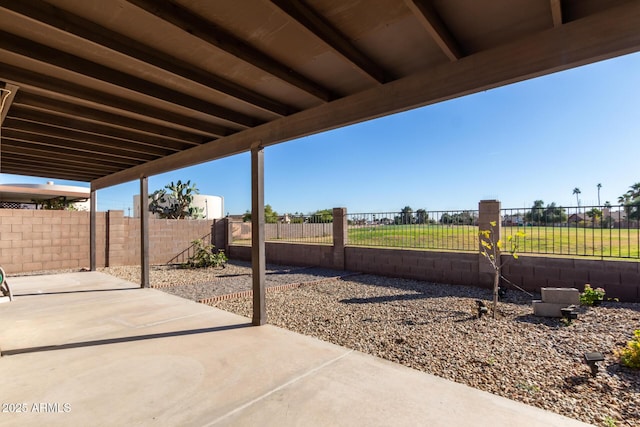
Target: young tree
pixel 577 192
pixel 491 248
pixel 174 201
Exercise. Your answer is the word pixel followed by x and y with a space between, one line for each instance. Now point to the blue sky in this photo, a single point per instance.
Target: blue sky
pixel 531 140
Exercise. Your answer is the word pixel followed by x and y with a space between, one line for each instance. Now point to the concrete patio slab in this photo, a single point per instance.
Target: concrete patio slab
pixel 89 349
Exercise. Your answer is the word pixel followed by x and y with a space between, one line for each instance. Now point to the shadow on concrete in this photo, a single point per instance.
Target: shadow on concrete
pixel 120 340
pixel 74 292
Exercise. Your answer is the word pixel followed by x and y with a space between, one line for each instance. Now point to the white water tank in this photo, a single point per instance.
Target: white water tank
pixel 212 206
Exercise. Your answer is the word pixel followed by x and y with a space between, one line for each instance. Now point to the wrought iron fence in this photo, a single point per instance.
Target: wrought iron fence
pixel 316 229
pixel 595 231
pixel 448 230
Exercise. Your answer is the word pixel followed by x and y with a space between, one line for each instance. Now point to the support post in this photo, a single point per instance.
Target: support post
pixel 257 236
pixel 92 229
pixel 144 232
pixel 339 237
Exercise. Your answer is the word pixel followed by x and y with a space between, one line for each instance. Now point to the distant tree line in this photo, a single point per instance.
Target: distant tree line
pixel 271 216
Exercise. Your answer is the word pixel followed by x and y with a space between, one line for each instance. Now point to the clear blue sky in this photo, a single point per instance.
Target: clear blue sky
pixel 532 140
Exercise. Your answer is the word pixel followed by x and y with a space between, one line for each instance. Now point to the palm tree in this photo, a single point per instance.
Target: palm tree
pixel 599 187
pixel 577 192
pixel 631 200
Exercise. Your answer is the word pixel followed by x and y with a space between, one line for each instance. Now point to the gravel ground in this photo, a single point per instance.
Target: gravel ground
pixel 434 328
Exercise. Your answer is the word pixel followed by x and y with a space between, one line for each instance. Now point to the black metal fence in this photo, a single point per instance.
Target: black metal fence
pixel 594 231
pixel 444 230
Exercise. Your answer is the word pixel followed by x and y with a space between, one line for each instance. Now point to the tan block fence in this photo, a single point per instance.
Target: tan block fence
pixel 32 240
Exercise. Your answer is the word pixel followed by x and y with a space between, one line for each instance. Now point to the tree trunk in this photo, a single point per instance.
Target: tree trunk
pixel 496 284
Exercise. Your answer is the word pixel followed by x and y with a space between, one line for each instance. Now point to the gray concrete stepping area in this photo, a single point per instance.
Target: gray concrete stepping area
pixel 88 349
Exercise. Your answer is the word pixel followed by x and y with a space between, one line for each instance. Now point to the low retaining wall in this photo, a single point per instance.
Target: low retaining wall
pixel 620 279
pixel 441 267
pixel 290 254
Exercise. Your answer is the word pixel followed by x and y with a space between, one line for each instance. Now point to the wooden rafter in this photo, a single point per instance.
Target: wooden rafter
pixel 74 124
pixel 431 21
pixel 42 154
pixel 604 35
pixel 52 137
pixel 556 12
pixel 100 98
pixel 339 43
pixel 67 109
pixel 215 36
pixel 90 31
pixel 39 52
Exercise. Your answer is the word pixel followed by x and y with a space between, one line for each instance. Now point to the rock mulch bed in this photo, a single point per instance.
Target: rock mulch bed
pixel 434 328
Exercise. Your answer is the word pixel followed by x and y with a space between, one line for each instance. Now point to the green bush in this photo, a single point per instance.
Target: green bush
pixel 205 256
pixel 590 296
pixel 630 355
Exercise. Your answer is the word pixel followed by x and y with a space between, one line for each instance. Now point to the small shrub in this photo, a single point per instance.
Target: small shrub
pixel 205 256
pixel 591 296
pixel 630 355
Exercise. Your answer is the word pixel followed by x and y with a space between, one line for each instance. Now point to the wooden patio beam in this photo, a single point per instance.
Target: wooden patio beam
pixel 59 89
pixel 431 21
pixel 339 43
pixel 66 61
pixel 62 108
pixel 69 123
pixel 215 36
pixel 84 29
pixel 556 12
pixel 72 139
pixel 594 38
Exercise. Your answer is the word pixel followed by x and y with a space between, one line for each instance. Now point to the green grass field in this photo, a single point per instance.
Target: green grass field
pixel 463 238
pixel 598 242
pixel 563 241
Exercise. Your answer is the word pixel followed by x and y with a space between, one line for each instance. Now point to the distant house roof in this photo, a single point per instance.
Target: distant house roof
pixel 28 193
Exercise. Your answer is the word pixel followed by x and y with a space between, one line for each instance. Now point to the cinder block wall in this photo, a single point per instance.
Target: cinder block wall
pixel 32 240
pixel 167 238
pixel 620 279
pixel 289 254
pixel 442 267
pixel 41 239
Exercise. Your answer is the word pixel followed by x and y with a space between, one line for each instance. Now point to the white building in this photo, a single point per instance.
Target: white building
pixel 212 206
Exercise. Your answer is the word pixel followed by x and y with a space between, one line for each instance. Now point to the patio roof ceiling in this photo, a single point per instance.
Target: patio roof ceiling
pixel 110 91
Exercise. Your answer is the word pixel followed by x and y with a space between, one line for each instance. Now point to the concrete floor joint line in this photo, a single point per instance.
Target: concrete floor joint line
pixel 280 387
